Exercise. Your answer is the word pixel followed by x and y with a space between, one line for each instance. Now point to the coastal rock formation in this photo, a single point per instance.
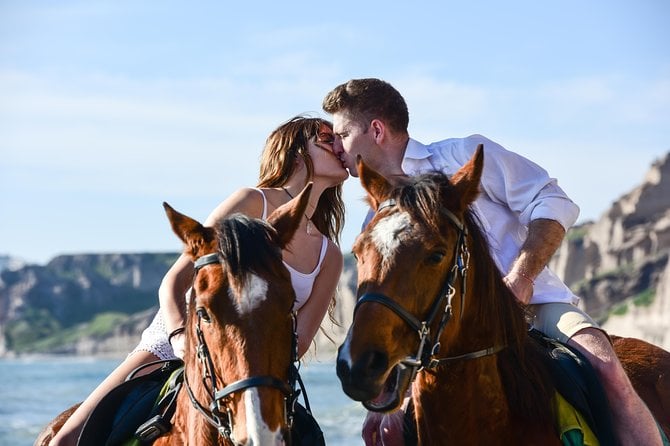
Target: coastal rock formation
pixel 619 264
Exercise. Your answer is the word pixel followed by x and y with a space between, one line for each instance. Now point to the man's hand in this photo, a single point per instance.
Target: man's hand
pixel 385 429
pixel 520 285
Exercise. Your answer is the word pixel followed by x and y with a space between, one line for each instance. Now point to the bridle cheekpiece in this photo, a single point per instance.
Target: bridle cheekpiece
pixel 429 347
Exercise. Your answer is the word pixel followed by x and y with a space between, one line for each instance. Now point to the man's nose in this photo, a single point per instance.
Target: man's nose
pixel 337 146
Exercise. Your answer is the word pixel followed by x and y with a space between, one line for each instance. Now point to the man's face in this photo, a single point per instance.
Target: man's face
pixel 351 139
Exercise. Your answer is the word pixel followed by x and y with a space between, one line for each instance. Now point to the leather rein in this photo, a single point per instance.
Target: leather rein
pixel 429 347
pixel 218 414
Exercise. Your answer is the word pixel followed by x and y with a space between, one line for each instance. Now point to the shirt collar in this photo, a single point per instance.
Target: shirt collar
pixel 416 157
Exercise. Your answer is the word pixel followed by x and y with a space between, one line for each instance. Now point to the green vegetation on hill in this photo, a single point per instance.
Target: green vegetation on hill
pixel 36 324
pixel 101 325
pixel 75 297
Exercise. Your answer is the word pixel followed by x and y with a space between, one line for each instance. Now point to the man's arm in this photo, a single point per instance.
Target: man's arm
pixel 544 238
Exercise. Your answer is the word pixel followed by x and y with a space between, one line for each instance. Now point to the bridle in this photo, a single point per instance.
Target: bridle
pixel 429 347
pixel 219 414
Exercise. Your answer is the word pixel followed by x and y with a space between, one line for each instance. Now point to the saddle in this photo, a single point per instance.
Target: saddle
pixel 139 410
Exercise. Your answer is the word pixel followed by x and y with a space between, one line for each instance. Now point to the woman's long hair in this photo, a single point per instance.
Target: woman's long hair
pixel 283 148
pixel 278 163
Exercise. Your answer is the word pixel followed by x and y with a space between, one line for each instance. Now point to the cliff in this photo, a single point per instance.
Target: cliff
pixel 619 264
pixel 47 308
pixel 99 304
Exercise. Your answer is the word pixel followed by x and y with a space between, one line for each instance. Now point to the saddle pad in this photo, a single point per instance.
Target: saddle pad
pixel 572 427
pixel 577 382
pixel 124 408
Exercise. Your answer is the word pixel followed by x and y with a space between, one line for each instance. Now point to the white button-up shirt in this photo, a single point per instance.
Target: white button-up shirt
pixel 514 191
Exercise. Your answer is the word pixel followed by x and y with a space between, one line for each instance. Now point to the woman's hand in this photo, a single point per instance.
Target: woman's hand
pixel 177 341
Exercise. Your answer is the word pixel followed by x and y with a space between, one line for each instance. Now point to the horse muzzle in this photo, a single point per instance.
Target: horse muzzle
pixel 370 380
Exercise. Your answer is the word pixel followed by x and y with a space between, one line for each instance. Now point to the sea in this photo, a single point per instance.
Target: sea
pixel 34 390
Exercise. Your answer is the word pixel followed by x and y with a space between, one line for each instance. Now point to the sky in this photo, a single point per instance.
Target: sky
pixel 109 108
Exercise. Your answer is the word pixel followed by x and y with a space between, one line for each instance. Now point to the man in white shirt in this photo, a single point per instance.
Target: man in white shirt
pixel 524 214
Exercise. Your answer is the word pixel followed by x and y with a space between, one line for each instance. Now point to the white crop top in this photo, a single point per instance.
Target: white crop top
pixel 302 283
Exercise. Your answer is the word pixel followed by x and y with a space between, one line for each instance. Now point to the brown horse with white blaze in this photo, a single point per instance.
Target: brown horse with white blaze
pixel 240 332
pixel 433 313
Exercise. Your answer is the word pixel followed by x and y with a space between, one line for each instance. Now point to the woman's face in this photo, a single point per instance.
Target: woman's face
pixel 326 164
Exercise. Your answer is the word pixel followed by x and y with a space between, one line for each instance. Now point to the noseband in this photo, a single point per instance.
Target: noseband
pixel 219 414
pixel 429 348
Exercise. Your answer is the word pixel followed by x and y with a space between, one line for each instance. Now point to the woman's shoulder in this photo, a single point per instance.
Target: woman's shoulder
pixel 333 254
pixel 248 201
pixel 252 194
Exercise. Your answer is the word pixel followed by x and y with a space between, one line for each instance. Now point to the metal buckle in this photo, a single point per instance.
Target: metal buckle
pixel 153 429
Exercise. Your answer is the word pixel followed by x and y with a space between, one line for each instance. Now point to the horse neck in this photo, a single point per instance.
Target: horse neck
pixel 468 392
pixel 492 317
pixel 489 305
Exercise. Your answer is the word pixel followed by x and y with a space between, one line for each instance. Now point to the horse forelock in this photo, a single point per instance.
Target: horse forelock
pixel 415 206
pixel 248 250
pixel 246 244
pixel 421 197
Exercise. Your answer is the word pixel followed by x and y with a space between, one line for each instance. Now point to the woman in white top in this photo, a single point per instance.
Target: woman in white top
pixel 297 152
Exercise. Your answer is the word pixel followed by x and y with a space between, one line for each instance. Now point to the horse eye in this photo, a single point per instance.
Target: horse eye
pixel 202 313
pixel 435 257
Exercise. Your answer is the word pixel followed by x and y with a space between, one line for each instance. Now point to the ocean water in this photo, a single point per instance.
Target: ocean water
pixel 34 391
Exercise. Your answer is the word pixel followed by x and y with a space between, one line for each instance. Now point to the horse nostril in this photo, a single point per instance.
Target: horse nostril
pixel 374 362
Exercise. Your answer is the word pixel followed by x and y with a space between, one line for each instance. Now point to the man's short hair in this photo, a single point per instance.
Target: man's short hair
pixel 366 99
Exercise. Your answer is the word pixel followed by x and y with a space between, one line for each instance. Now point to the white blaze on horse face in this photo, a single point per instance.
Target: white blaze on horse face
pixel 344 353
pixel 254 292
pixel 389 232
pixel 258 433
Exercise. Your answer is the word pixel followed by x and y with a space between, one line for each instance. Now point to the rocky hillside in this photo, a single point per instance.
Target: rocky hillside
pixel 99 304
pixel 49 308
pixel 619 264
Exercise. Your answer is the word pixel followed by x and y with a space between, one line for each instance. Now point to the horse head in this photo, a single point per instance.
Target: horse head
pixel 240 328
pixel 411 258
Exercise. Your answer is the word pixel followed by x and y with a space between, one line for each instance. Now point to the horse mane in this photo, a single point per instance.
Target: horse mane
pixel 525 378
pixel 246 245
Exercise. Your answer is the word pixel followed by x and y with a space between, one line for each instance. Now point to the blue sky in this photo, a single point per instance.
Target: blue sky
pixel 109 108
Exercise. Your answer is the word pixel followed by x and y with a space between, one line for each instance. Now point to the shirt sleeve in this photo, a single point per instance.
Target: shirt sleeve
pixel 369 216
pixel 518 183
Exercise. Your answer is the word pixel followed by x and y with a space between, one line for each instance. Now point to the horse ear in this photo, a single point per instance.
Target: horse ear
pixel 466 179
pixel 188 230
pixel 377 187
pixel 286 218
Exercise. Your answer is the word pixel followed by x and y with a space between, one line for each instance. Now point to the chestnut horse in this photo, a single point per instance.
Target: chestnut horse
pixel 240 333
pixel 433 312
